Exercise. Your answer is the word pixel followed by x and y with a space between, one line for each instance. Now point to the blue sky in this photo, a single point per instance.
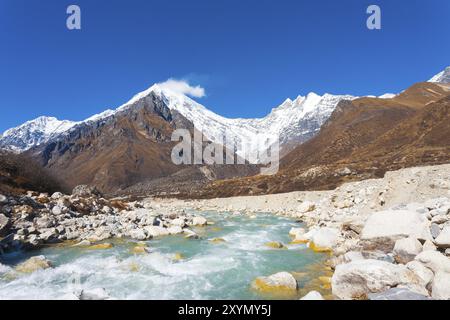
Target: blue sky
pixel 248 55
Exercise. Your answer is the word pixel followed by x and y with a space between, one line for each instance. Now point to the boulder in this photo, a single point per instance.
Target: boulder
pixel 312 295
pixel 57 195
pixel 275 245
pixel 281 281
pixel 199 221
pixel 34 264
pixel 434 260
pixel 353 256
pixel 138 234
pixel 397 294
pixel 439 219
pixel 178 222
pixel 405 250
pixel 85 191
pixel 443 240
pixel 325 239
pixel 441 286
pixel 175 230
pixel 428 245
pixel 384 228
pixel 357 279
pixel 154 231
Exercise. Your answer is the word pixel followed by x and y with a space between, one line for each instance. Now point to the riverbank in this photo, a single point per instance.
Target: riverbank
pixel 387 237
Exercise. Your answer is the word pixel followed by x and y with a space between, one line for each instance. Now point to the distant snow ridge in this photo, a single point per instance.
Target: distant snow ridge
pixel 293 121
pixel 33 133
pixel 442 77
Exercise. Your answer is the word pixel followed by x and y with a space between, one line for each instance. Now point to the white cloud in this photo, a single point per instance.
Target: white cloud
pixel 182 86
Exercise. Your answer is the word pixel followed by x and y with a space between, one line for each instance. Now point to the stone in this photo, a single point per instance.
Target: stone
pixel 190 234
pixel 439 219
pixel 353 256
pixel 178 222
pixel 83 243
pixel 94 294
pixel 405 250
pixel 140 250
pixel 57 195
pixel 428 245
pixel 441 286
pixel 138 234
pixel 353 224
pixel 199 221
pixel 175 230
pixel 357 279
pixel 313 295
pixel 435 230
pixel 384 228
pixel 397 294
pixel 85 191
pixel 324 239
pixel 424 274
pixel 434 260
pixel 275 245
pixel 306 206
pixel 5 224
pixel 217 240
pixel 443 240
pixel 279 282
pixel 3 199
pixel 34 264
pixel 154 231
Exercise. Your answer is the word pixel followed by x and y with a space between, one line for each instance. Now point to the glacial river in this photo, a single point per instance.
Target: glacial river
pixel 176 268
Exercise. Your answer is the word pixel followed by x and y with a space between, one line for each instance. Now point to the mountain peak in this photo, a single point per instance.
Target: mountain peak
pixel 442 77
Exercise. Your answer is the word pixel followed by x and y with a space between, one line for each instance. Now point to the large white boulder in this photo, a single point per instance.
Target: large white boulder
pixel 357 279
pixel 281 281
pixel 155 231
pixel 434 260
pixel 384 228
pixel 405 250
pixel 199 221
pixel 443 240
pixel 306 206
pixel 441 286
pixel 325 238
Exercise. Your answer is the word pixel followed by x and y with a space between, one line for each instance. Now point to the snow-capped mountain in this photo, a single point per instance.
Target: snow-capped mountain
pixel 442 77
pixel 293 121
pixel 33 133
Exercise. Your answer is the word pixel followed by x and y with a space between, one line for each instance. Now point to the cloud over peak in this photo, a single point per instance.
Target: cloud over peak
pixel 183 87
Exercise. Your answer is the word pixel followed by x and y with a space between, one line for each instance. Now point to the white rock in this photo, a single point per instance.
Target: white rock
pixel 424 274
pixel 353 256
pixel 439 219
pixel 138 234
pixel 434 260
pixel 441 286
pixel 57 195
pixel 155 231
pixel 313 295
pixel 357 279
pixel 383 228
pixel 443 240
pixel 283 280
pixel 199 221
pixel 175 230
pixel 325 237
pixel 178 222
pixel 405 250
pixel 429 246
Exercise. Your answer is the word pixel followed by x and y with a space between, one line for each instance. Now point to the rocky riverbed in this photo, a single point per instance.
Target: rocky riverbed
pixel 386 238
